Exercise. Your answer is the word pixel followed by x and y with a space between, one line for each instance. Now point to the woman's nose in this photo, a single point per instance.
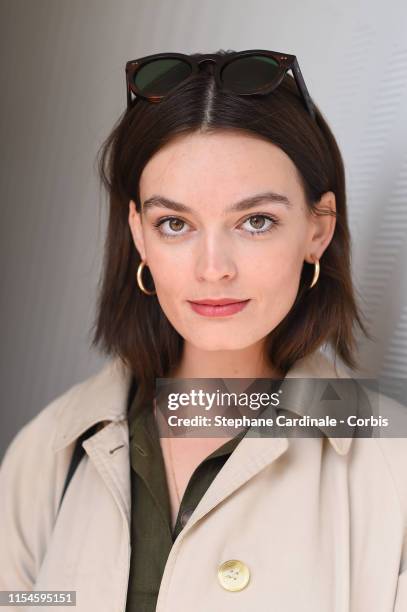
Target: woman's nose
pixel 214 260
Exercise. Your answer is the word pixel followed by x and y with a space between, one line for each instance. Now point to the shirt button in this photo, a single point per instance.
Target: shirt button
pixel 185 516
pixel 233 575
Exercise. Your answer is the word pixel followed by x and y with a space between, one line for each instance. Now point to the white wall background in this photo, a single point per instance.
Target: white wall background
pixel 62 88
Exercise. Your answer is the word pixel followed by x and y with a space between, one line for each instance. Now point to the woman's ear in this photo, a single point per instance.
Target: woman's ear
pixel 136 229
pixel 322 226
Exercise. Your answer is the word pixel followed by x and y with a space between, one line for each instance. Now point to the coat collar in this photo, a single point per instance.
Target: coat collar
pixel 104 396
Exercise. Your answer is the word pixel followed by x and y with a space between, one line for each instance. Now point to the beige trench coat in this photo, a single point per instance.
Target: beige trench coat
pixel 319 522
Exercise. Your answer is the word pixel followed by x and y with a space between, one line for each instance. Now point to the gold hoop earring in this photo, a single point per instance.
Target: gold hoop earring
pixel 316 273
pixel 140 281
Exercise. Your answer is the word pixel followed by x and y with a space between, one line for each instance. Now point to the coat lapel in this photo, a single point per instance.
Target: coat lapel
pixel 101 398
pixel 255 452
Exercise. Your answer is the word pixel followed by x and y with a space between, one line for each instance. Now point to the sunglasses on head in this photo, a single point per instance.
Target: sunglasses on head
pixel 246 73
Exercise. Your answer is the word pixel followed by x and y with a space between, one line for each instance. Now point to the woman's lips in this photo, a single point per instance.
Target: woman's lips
pixel 224 310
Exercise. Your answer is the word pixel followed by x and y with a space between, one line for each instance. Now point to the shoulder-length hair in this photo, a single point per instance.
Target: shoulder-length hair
pixel 131 324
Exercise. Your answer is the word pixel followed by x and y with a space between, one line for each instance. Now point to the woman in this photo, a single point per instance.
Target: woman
pixel 226 185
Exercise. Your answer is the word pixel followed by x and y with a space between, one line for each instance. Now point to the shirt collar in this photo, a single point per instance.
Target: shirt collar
pixel 104 397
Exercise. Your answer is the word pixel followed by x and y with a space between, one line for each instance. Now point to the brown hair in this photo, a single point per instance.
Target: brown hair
pixel 133 325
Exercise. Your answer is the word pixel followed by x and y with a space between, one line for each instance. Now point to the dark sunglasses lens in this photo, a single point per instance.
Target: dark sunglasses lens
pixel 250 74
pixel 159 76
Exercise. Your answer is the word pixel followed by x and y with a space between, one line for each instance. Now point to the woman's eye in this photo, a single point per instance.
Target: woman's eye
pixel 260 224
pixel 174 225
pixel 257 224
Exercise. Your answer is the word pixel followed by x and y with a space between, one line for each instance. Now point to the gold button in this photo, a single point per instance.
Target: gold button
pixel 233 575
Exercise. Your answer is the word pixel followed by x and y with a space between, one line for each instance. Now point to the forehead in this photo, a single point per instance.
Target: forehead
pixel 218 168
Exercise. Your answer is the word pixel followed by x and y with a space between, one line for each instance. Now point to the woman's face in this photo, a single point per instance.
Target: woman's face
pixel 205 245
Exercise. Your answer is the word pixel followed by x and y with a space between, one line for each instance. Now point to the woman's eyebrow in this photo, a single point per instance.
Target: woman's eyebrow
pixel 245 204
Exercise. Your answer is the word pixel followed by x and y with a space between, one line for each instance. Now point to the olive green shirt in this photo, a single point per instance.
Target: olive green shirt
pixel 151 531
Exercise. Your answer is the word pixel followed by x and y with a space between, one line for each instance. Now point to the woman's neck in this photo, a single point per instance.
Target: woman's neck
pixel 243 363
